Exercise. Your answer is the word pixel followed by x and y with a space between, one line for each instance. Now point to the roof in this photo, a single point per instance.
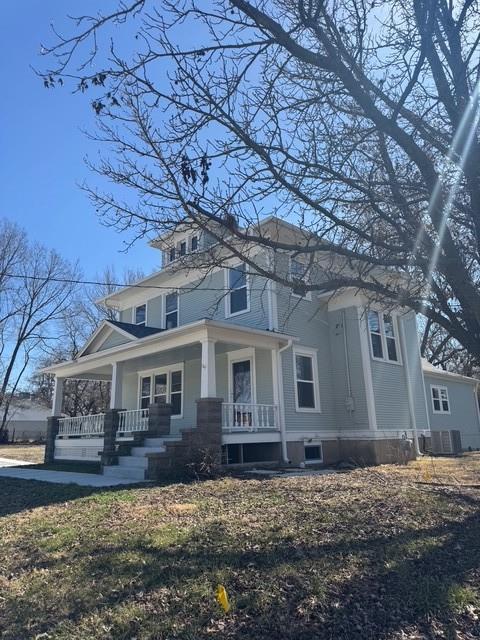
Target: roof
pixel 429 368
pixel 135 330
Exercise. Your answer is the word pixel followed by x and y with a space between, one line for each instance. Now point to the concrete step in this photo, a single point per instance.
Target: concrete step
pixel 161 440
pixel 130 473
pixel 140 462
pixel 142 451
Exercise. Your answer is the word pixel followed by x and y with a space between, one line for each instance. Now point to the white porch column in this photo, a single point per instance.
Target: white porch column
pixel 116 386
pixel 208 379
pixel 57 400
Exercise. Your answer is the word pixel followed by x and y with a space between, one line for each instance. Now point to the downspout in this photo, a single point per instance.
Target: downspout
pixel 281 408
pixel 345 350
pixel 411 405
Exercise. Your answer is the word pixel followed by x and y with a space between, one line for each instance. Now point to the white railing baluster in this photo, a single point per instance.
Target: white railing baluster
pixel 133 420
pixel 81 425
pixel 240 416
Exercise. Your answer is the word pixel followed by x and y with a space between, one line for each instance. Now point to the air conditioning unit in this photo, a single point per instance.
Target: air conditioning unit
pixel 446 442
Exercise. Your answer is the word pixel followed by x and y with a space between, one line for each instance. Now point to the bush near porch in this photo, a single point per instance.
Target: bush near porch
pixel 386 553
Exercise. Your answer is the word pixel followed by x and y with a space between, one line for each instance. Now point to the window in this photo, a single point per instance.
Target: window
pixel 194 244
pixel 163 386
pixel 313 453
pixel 172 254
pixel 298 272
pixel 183 248
pixel 306 381
pixel 440 400
pixel 237 299
pixel 171 310
pixel 383 336
pixel 140 315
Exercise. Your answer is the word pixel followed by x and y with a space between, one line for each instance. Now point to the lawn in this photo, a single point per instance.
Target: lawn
pixel 370 554
pixel 26 452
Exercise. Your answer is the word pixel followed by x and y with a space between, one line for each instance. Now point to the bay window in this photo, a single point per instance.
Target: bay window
pixel 383 336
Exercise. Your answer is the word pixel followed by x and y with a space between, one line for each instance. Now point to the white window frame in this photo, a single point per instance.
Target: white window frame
pixel 185 243
pixel 308 294
pixel 190 242
pixel 164 308
pixel 313 354
pixel 440 388
pixel 151 373
pixel 134 314
pixel 383 336
pixel 240 355
pixel 313 444
pixel 229 291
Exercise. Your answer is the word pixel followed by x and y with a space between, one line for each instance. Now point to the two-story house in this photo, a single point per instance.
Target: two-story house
pixel 278 376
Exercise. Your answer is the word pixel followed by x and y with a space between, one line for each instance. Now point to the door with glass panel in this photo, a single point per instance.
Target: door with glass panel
pixel 242 392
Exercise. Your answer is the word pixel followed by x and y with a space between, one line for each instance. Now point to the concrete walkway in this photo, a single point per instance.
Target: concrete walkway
pixel 9 469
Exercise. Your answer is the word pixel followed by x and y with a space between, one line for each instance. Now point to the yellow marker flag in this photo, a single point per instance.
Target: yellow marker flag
pixel 222 598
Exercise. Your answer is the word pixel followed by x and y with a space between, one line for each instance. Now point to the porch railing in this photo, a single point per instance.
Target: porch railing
pixel 133 420
pixel 237 416
pixel 81 425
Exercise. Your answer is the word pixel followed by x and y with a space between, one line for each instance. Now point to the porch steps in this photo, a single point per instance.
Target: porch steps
pixel 130 473
pixel 160 441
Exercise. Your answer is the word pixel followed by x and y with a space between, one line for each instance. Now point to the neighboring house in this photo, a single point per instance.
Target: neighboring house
pixel 26 419
pixel 311 379
pixel 452 402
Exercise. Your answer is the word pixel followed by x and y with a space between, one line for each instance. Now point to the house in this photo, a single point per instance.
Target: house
pixel 247 367
pixel 27 418
pixel 452 402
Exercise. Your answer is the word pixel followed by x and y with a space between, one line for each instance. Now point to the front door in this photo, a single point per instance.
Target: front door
pixel 242 392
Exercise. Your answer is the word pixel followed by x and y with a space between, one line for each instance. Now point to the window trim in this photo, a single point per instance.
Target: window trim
pixel 151 373
pixel 313 354
pixel 383 337
pixel 191 239
pixel 440 388
pixel 308 294
pixel 134 314
pixel 313 444
pixel 164 309
pixel 229 291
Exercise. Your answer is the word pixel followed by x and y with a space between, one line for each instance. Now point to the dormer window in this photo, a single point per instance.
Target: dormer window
pixel 298 273
pixel 183 248
pixel 194 244
pixel 140 315
pixel 172 254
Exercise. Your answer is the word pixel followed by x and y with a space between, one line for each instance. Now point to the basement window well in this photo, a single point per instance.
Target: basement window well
pixel 313 453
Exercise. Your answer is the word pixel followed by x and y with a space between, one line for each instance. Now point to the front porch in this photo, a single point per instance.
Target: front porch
pixel 237 366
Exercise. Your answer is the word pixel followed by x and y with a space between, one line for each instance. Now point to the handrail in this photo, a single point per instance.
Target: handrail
pixel 133 420
pixel 91 425
pixel 241 416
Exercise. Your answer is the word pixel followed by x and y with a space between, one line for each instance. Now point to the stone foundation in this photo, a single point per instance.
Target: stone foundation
pixel 358 452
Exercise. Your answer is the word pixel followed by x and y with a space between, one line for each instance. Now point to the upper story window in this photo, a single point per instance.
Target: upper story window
pixel 237 283
pixel 298 271
pixel 440 401
pixel 194 244
pixel 306 381
pixel 172 254
pixel 183 247
pixel 171 310
pixel 383 336
pixel 140 315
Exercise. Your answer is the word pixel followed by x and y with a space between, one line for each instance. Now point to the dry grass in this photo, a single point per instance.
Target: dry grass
pixel 25 452
pixel 370 554
pixel 463 470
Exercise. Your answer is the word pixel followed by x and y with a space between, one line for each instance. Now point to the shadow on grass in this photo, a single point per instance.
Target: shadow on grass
pixel 404 581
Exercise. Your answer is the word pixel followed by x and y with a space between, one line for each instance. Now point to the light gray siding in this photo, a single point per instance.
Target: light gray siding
pixel 113 340
pixel 463 412
pixel 412 353
pixel 349 322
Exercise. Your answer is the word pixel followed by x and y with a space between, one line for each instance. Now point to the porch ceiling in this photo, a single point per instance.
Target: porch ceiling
pixel 190 334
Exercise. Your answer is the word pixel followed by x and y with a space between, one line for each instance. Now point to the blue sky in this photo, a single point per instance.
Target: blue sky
pixel 43 147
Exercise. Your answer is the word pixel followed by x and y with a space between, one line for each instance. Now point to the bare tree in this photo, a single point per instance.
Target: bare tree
pixel 356 120
pixel 36 294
